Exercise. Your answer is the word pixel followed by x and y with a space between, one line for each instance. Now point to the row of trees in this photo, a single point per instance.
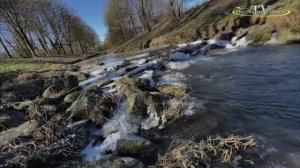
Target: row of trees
pixel 30 28
pixel 126 18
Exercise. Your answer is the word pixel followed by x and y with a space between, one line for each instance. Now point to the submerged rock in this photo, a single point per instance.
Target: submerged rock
pixel 92 104
pixel 175 91
pixel 25 129
pixel 127 162
pixel 134 146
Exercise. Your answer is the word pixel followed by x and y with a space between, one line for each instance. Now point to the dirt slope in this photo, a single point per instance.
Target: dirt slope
pixel 214 19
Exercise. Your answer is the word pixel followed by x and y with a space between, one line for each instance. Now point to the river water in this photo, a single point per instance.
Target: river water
pixel 252 91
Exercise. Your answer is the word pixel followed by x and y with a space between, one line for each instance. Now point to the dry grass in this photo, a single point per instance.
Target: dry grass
pixel 187 153
pixel 99 115
pixel 51 143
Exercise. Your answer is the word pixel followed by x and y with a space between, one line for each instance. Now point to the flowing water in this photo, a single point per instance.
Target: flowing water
pixel 252 91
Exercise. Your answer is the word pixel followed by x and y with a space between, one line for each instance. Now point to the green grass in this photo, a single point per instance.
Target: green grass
pixel 7 68
pixel 263 37
pixel 295 29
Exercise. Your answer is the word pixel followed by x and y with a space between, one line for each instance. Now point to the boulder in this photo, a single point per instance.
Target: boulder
pixel 175 91
pixel 133 146
pixel 92 104
pixel 210 47
pixel 104 162
pixel 127 162
pixel 25 129
pixel 139 99
pixel 61 87
pixel 70 98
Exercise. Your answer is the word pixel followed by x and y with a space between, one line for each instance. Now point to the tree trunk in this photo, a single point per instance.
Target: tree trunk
pixel 5 48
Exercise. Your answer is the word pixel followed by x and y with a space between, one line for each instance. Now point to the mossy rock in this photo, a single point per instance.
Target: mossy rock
pixel 295 30
pixel 127 162
pixel 92 104
pixel 133 147
pixel 175 91
pixel 139 99
pixel 136 83
pixel 263 37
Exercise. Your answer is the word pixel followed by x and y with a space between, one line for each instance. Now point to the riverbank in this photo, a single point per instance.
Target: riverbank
pixel 98 112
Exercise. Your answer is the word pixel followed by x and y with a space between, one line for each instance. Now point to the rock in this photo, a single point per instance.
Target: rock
pixel 48 108
pixel 210 47
pixel 133 147
pixel 20 106
pixel 105 162
pixel 92 104
pixel 70 98
pixel 25 129
pixel 124 64
pixel 61 87
pixel 100 63
pixel 81 76
pixel 127 162
pixel 10 119
pixel 126 84
pixel 104 82
pixel 175 91
pixel 128 69
pixel 139 99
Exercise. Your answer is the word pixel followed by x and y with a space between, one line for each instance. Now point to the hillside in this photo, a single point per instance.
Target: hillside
pixel 214 20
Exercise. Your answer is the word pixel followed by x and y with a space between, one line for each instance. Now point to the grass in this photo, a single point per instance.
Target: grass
pixel 7 68
pixel 187 153
pixel 295 30
pixel 263 37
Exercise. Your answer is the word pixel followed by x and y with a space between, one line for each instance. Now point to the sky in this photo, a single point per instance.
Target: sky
pixel 92 12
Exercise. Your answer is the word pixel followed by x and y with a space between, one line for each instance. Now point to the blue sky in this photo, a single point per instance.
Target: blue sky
pixel 92 12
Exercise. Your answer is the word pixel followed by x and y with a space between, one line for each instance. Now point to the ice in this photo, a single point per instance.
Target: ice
pixel 119 127
pixel 151 121
pixel 188 44
pixel 173 78
pixel 179 56
pixel 141 68
pixel 139 62
pixel 148 75
pixel 242 42
pixel 273 40
pixel 177 65
pixel 92 153
pixel 139 56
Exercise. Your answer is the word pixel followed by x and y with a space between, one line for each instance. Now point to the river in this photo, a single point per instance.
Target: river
pixel 247 91
pixel 252 91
